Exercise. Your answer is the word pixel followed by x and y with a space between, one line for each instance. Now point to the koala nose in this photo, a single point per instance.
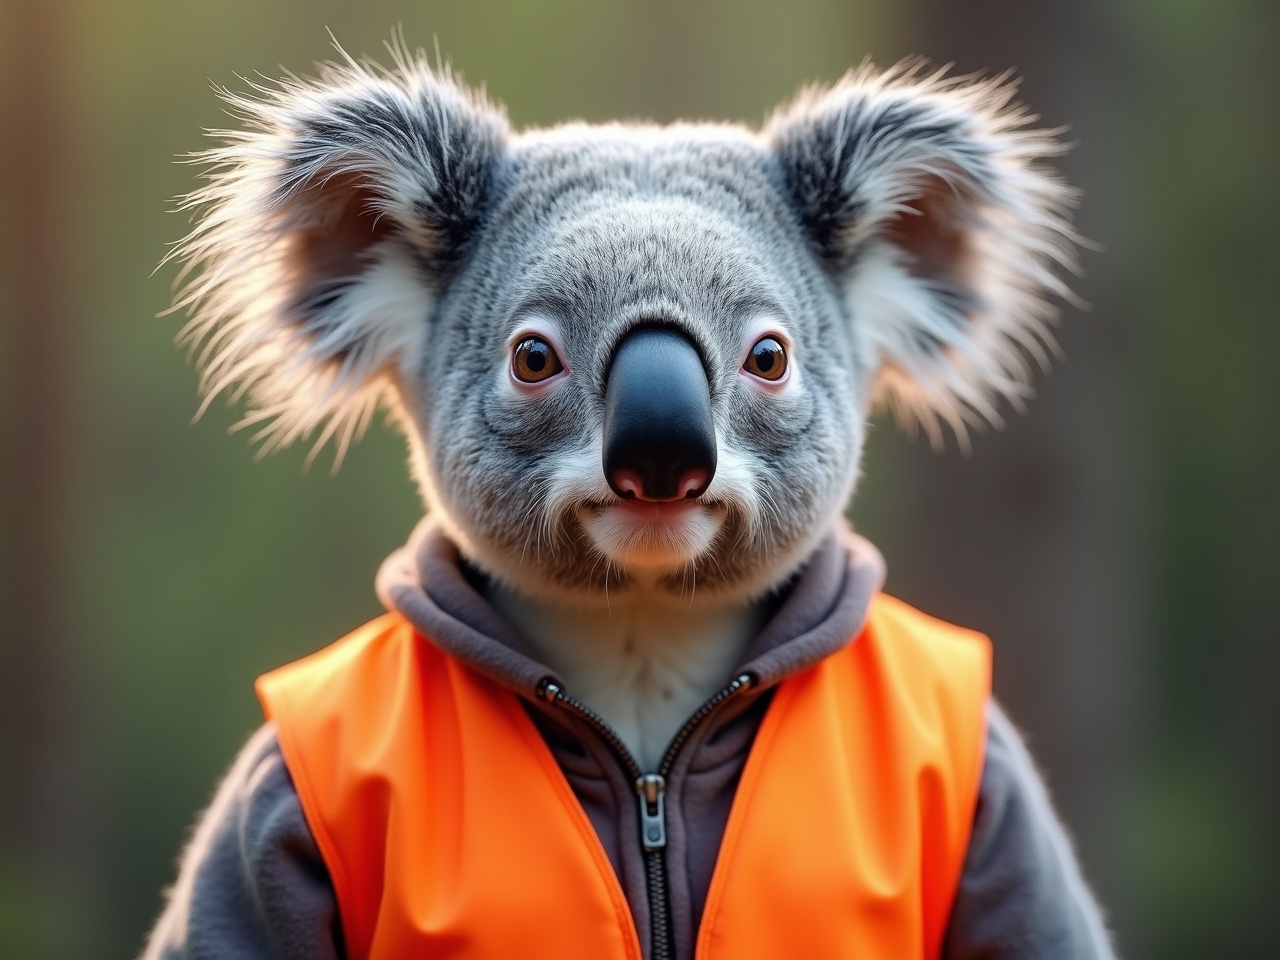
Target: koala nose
pixel 659 440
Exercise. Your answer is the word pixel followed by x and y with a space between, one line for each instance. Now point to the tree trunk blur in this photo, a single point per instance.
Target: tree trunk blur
pixel 1031 538
pixel 45 808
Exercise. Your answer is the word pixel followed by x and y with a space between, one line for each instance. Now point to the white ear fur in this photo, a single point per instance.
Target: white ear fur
pixel 327 229
pixel 927 197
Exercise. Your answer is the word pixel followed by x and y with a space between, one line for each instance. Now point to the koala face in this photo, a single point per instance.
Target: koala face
pixel 626 356
pixel 599 237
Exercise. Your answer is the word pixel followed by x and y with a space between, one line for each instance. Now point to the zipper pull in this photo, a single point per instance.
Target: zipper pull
pixel 653 821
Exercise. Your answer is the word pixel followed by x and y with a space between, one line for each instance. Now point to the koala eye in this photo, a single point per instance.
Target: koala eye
pixel 534 360
pixel 767 359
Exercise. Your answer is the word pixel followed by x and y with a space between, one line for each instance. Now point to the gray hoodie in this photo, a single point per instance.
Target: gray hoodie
pixel 253 885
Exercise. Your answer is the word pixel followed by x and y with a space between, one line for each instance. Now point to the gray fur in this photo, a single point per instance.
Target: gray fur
pixel 380 234
pixel 330 227
pixel 927 198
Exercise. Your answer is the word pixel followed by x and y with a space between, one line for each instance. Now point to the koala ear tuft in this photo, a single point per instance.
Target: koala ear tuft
pixel 327 230
pixel 927 199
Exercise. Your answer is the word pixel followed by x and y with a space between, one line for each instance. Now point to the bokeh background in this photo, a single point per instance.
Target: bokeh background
pixel 1119 542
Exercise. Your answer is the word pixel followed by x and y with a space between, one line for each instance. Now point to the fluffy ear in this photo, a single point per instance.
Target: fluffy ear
pixel 329 226
pixel 927 199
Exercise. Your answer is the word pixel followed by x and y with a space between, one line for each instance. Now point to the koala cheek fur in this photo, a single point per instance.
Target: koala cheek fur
pixel 382 235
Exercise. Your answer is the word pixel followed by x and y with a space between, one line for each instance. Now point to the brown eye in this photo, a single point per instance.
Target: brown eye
pixel 534 360
pixel 767 359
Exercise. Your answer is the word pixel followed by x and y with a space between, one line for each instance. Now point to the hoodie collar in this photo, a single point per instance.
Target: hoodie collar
pixel 819 610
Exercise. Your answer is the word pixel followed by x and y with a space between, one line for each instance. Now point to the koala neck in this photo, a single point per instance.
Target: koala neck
pixel 644 661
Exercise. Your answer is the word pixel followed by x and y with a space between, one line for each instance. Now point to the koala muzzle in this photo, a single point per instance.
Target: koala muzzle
pixel 659 438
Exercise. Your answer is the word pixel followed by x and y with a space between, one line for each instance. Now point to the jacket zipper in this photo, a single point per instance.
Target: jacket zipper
pixel 650 792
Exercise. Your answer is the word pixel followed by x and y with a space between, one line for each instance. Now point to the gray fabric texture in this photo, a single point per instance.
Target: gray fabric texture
pixel 253 885
pixel 1021 893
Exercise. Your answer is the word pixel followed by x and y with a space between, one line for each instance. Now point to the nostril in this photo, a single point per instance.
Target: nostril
pixel 631 485
pixel 628 484
pixel 692 485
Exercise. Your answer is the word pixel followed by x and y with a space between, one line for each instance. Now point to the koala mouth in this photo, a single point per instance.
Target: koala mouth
pixel 648 535
pixel 651 512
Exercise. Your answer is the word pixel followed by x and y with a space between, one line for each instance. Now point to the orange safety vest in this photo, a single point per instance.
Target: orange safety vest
pixel 449 830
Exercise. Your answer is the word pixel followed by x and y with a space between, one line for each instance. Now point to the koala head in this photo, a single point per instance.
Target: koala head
pixel 625 356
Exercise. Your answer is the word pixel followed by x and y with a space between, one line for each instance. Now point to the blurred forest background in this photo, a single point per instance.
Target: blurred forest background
pixel 1119 542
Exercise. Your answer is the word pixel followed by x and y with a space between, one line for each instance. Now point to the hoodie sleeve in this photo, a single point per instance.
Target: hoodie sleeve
pixel 252 884
pixel 1021 894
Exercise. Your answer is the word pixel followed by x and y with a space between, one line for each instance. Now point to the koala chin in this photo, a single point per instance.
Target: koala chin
pixel 633 362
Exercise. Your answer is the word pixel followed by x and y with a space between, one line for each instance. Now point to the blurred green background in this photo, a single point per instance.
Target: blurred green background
pixel 1119 542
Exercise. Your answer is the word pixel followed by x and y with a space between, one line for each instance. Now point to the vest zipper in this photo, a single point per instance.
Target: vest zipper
pixel 650 791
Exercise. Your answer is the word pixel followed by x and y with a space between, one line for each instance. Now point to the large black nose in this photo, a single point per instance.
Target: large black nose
pixel 659 441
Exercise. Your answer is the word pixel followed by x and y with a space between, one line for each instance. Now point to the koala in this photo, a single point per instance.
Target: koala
pixel 633 364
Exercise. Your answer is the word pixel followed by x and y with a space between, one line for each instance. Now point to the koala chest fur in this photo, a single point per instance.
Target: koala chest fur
pixel 645 663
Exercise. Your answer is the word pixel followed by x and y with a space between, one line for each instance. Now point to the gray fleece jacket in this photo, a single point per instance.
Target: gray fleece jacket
pixel 253 885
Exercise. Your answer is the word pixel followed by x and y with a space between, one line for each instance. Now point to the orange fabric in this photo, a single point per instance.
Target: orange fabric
pixel 850 826
pixel 449 830
pixel 445 822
